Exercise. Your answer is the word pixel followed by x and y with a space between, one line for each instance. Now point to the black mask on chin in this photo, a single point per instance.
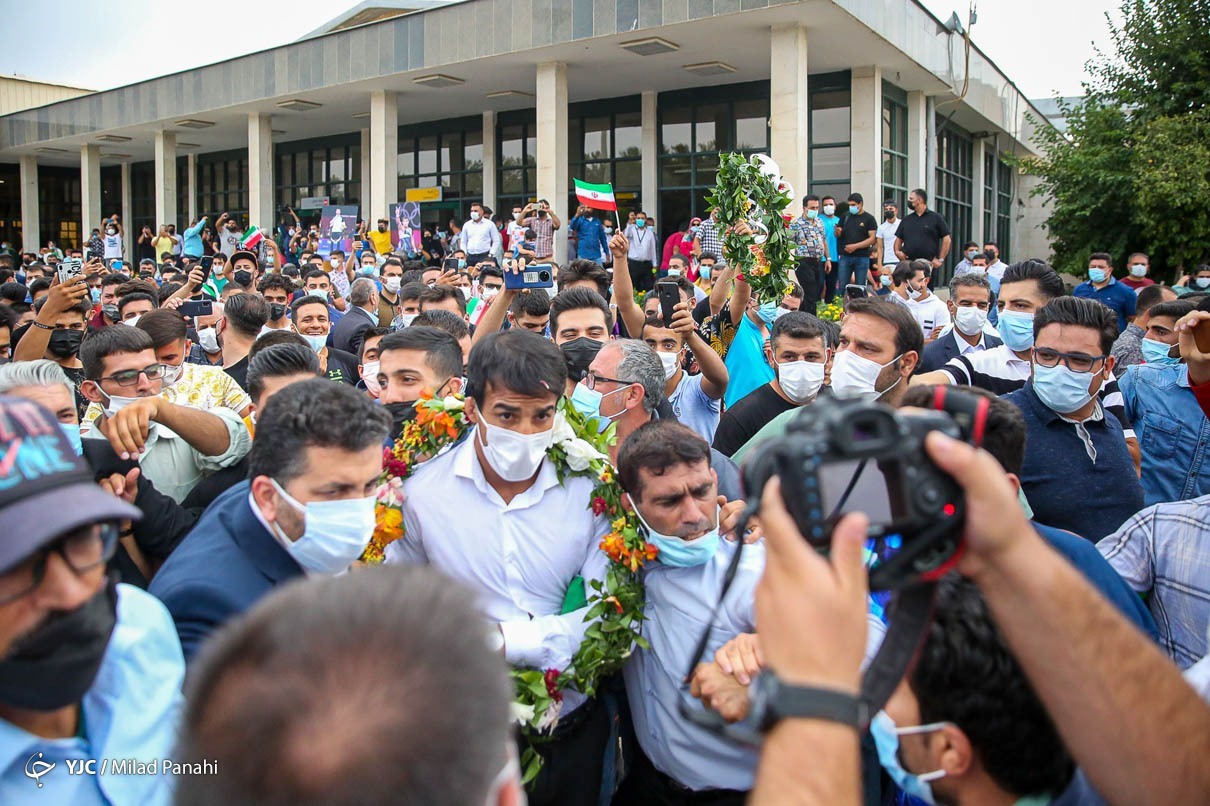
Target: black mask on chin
pixel 55 665
pixel 578 353
pixel 65 343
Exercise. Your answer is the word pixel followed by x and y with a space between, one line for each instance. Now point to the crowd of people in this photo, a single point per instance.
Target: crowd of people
pixel 193 447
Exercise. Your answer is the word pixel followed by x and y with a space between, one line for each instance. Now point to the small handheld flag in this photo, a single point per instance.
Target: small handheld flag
pixel 251 238
pixel 598 197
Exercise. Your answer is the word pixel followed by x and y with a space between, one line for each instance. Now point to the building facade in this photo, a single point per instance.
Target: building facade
pixel 506 101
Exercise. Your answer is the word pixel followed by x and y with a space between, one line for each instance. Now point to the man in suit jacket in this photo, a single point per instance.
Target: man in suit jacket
pixel 969 303
pixel 350 331
pixel 307 508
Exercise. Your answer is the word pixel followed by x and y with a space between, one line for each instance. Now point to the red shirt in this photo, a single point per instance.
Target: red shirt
pixel 1136 282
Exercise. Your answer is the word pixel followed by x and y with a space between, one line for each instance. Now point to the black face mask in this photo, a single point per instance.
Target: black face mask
pixel 66 343
pixel 110 312
pixel 888 215
pixel 243 277
pixel 55 665
pixel 578 353
pixel 276 311
pixel 401 413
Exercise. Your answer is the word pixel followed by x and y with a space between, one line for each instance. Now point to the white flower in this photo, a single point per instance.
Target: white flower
pixel 562 430
pixel 550 718
pixel 522 714
pixel 579 454
pixel 451 403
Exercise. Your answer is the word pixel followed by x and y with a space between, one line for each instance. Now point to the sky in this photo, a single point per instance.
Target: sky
pixel 1041 45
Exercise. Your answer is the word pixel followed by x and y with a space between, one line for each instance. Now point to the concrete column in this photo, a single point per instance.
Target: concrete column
pixel 31 219
pixel 917 140
pixel 553 183
pixel 651 160
pixel 165 179
pixel 260 171
pixel 490 172
pixel 384 153
pixel 788 106
pixel 90 190
pixel 978 208
pixel 128 211
pixel 365 174
pixel 191 190
pixel 865 160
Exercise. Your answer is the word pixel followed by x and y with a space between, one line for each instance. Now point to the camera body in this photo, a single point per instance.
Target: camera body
pixel 848 455
pixel 538 275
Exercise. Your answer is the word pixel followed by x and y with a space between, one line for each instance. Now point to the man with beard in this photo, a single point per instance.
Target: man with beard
pixel 411 360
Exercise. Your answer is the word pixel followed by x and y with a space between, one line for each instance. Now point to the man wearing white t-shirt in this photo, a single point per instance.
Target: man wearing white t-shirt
pixel 885 251
pixel 929 310
pixel 112 239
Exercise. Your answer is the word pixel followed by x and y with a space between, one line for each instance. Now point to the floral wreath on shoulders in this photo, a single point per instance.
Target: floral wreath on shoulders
pixel 615 604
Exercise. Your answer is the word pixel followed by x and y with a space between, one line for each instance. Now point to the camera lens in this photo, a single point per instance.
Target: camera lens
pixel 544 276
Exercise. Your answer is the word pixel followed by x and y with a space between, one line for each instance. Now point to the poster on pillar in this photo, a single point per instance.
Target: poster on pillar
pixel 337 228
pixel 405 227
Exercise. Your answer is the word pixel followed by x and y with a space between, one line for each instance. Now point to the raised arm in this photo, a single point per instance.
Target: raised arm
pixel 714 371
pixel 629 311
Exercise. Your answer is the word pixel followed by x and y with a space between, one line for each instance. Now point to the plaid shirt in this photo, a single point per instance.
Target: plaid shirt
pixel 710 240
pixel 544 229
pixel 809 238
pixel 1165 550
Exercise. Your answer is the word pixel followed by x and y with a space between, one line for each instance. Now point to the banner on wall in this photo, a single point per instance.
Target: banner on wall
pixel 405 227
pixel 337 227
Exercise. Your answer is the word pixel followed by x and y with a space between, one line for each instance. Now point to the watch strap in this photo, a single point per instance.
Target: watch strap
pixel 806 702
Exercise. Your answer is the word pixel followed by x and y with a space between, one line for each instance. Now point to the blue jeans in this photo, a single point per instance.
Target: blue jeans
pixel 852 270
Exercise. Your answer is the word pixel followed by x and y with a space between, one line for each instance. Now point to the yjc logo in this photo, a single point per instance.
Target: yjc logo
pixel 36 769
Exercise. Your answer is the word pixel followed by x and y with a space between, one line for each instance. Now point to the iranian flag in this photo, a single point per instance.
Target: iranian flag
pixel 251 238
pixel 598 197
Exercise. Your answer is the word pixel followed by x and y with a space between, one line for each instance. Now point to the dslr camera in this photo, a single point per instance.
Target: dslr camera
pixel 844 455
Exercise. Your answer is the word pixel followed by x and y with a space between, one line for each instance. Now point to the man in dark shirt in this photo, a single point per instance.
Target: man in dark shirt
pixel 856 233
pixel 922 233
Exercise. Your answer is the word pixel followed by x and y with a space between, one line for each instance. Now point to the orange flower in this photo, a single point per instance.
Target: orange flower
pixel 650 551
pixel 616 604
pixel 613 546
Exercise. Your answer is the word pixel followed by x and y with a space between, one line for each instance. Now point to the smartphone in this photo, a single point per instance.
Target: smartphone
pixel 69 269
pixel 206 264
pixel 195 308
pixel 538 275
pixel 854 291
pixel 450 264
pixel 670 296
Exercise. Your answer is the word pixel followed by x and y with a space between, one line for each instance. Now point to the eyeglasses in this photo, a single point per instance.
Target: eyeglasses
pixel 1076 362
pixel 591 379
pixel 83 549
pixel 130 377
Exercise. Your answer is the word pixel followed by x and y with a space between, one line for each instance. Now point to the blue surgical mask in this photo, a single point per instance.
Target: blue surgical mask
pixel 640 222
pixel 1016 330
pixel 886 740
pixel 1202 282
pixel 853 209
pixel 1156 352
pixel 885 279
pixel 812 214
pixel 1061 389
pixel 704 271
pixel 95 293
pixel 462 263
pixel 316 343
pixel 72 432
pixel 767 312
pixel 588 403
pixel 1096 275
pixel 335 533
pixel 677 552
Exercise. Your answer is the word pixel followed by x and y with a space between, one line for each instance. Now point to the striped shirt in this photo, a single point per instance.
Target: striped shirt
pixel 1164 550
pixel 999 371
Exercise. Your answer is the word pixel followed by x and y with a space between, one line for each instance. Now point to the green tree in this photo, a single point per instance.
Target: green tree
pixel 1132 171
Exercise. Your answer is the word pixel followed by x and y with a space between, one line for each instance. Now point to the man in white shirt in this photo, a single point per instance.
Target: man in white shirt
pixel 480 238
pixel 493 514
pixel 926 306
pixel 996 266
pixel 969 304
pixel 112 239
pixel 884 254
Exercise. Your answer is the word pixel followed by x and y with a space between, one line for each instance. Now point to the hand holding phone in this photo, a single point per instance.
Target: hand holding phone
pixel 669 294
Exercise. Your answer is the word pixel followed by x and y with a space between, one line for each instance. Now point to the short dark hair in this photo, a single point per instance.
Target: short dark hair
pixel 1105 256
pixel 656 446
pixel 530 302
pixel 1079 312
pixel 1004 433
pixel 413 275
pixel 590 270
pixel 797 325
pixel 968 245
pixel 491 271
pixel 114 279
pixel 8 317
pixel 710 255
pixel 372 333
pixel 246 314
pixel 101 344
pixel 810 197
pixel 1050 284
pixel 276 361
pixel 305 300
pixel 965 673
pixel 908 335
pixel 440 293
pixel 164 325
pixel 921 194
pixel 410 291
pixel 442 319
pixel 441 350
pixel 969 280
pixel 856 197
pixel 274 338
pixel 39 285
pixel 313 414
pixel 516 360
pixel 316 274
pixel 1174 308
pixel 1148 296
pixel 285 684
pixel 13 292
pixel 275 282
pixel 135 296
pixel 83 307
pixel 573 299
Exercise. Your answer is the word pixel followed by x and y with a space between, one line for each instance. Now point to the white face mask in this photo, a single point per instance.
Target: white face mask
pixel 674 272
pixel 914 294
pixel 970 321
pixel 369 375
pixel 828 209
pixel 800 380
pixel 391 284
pixel 475 215
pixel 489 292
pixel 132 321
pixel 172 374
pixel 671 362
pixel 515 457
pixel 335 533
pixel 115 403
pixel 208 338
pixel 408 318
pixel 855 376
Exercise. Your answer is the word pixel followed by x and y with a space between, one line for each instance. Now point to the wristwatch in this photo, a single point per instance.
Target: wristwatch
pixel 774 700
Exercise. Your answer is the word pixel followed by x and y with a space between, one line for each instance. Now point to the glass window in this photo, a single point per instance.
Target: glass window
pixel 511 146
pixel 954 179
pixel 426 155
pixel 830 164
pixel 894 148
pixel 472 149
pixel 628 134
pixel 597 138
pixel 676 131
pixel 830 117
pixel 751 125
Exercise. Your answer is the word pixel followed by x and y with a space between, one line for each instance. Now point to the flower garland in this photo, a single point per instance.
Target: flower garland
pixel 615 604
pixel 752 190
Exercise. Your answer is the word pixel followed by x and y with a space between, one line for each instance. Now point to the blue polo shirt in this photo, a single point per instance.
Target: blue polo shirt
pixel 1173 433
pixel 829 230
pixel 1067 488
pixel 1119 298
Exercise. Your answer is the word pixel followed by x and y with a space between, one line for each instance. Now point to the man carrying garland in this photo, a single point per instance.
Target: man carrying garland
pixel 493 514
